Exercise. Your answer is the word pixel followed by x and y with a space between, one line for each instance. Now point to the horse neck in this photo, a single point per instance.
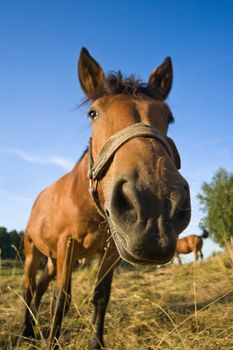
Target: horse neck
pixel 80 183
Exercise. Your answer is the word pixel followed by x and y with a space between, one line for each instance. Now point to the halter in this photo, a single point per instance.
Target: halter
pixel 97 168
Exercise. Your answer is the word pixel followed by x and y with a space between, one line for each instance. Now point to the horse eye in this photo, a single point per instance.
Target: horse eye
pixel 93 114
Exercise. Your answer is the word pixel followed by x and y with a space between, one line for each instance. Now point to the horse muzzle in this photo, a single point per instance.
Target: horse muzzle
pixel 145 228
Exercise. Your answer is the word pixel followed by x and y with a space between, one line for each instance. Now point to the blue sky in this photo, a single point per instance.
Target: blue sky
pixel 43 132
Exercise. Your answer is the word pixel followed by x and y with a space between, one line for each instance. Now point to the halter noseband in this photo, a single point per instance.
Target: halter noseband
pixel 97 168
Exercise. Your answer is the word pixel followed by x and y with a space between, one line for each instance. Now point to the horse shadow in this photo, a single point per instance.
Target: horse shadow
pixel 188 308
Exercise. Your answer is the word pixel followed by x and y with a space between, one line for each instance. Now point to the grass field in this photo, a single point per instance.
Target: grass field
pixel 171 308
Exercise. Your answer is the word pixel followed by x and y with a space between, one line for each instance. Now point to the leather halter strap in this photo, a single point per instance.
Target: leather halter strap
pixel 97 168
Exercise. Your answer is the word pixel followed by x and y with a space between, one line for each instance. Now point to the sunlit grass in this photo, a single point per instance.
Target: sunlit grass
pixel 173 307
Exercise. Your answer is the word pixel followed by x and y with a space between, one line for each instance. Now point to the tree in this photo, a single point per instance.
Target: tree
pixel 5 242
pixel 11 243
pixel 15 244
pixel 216 200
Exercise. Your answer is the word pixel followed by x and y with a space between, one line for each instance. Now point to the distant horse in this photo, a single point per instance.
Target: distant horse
pixel 191 243
pixel 128 178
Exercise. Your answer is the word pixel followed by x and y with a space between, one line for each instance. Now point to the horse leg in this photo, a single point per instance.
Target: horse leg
pixel 32 262
pixel 196 255
pixel 179 259
pixel 108 262
pixel 201 255
pixel 47 275
pixel 68 297
pixel 62 299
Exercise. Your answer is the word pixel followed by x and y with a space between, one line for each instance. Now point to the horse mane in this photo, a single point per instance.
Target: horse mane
pixel 115 84
pixel 79 160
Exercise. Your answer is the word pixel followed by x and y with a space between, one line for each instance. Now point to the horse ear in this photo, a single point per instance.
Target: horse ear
pixel 161 78
pixel 90 73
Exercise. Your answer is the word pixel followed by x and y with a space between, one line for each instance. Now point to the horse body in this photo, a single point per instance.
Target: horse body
pixel 131 169
pixel 191 243
pixel 64 210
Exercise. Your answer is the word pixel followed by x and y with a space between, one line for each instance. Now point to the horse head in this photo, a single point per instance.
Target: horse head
pixel 134 165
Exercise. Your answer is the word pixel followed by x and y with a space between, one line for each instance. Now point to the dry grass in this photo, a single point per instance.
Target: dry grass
pixel 175 307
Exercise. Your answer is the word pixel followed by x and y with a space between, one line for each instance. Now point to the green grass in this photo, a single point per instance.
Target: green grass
pixel 171 308
pixel 11 268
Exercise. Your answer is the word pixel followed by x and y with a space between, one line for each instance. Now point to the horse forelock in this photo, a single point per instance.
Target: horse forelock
pixel 115 84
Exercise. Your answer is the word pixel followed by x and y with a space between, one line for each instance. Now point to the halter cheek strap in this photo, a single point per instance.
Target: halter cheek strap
pixel 97 168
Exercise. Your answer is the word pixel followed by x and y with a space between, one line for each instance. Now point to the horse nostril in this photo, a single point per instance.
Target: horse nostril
pixel 181 209
pixel 186 188
pixel 122 206
pixel 178 199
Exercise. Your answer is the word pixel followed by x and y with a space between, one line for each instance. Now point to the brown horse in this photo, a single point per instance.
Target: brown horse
pixel 127 179
pixel 191 243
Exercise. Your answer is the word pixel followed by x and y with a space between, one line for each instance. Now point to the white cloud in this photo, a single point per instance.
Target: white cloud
pixel 62 162
pixel 59 161
pixel 19 198
pixel 14 197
